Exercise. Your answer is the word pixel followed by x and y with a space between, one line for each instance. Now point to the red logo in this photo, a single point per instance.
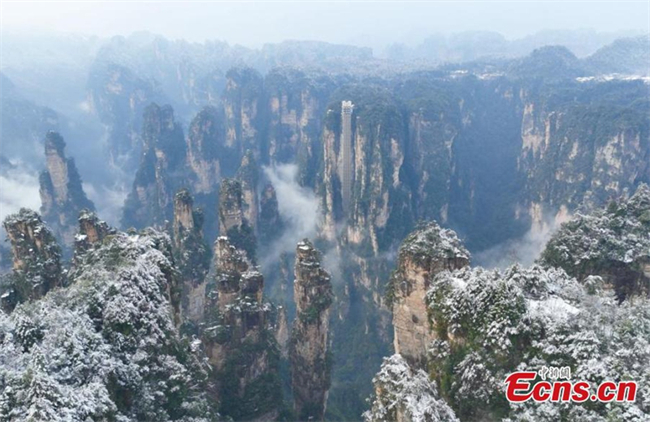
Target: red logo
pixel 527 385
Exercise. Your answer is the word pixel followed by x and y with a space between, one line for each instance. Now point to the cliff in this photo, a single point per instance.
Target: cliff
pixel 309 347
pixel 270 222
pixel 62 195
pixel 611 242
pixel 578 155
pixel 162 169
pixel 36 259
pixel 191 255
pixel 91 234
pixel 107 345
pixel 232 221
pixel 206 153
pixel 426 252
pixel 248 175
pixel 380 204
pixel 238 338
pixel 404 394
pixel 119 96
pixel 243 109
pixel 296 105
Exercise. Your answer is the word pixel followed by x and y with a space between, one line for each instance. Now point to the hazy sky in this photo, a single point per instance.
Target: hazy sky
pixel 369 23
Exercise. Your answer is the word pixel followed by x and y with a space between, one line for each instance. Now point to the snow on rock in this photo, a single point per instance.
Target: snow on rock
pixel 423 254
pixel 613 242
pixel 492 323
pixel 106 347
pixel 406 395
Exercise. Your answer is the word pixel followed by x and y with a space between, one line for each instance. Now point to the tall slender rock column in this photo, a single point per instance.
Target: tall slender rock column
pixel 310 368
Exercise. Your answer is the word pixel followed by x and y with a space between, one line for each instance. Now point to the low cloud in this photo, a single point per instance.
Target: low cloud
pixel 524 250
pixel 108 201
pixel 331 262
pixel 298 208
pixel 18 189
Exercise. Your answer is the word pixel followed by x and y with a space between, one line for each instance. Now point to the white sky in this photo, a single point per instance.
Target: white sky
pixel 364 23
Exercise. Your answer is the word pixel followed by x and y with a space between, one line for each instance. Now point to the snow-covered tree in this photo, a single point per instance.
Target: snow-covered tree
pixel 106 347
pixel 613 242
pixel 491 323
pixel 406 395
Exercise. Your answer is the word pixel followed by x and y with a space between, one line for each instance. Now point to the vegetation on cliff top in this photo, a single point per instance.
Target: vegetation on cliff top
pixel 106 347
pixel 605 242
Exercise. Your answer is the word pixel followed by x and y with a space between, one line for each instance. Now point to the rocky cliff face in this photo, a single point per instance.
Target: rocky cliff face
pixel 248 175
pixel 310 367
pixel 62 195
pixel 243 109
pixel 206 154
pixel 232 221
pixel 576 155
pixel 270 222
pixel 238 337
pixel 296 108
pixel 423 254
pixel 405 394
pixel 115 317
pixel 431 138
pixel 612 243
pixel 380 209
pixel 119 96
pixel 549 154
pixel 36 259
pixel 92 232
pixel 162 169
pixel 380 206
pixel 192 255
pixel 231 213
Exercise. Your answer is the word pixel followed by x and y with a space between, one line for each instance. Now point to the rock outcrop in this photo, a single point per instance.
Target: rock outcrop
pixel 206 154
pixel 114 317
pixel 62 195
pixel 236 282
pixel 232 221
pixel 231 213
pixel 404 394
pixel 380 203
pixel 238 338
pixel 296 108
pixel 192 255
pixel 612 243
pixel 243 109
pixel 119 96
pixel 423 254
pixel 36 259
pixel 309 348
pixel 92 232
pixel 270 223
pixel 162 170
pixel 248 175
